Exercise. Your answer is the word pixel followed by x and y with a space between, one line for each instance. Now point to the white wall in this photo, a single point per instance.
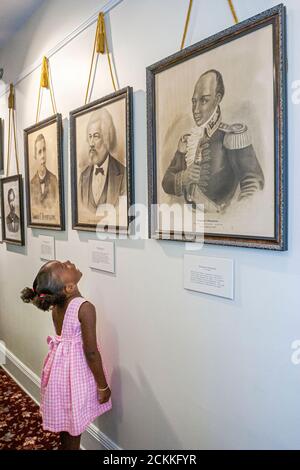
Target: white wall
pixel 187 370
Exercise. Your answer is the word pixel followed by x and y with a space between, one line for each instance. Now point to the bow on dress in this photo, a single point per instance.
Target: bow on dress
pixel 56 342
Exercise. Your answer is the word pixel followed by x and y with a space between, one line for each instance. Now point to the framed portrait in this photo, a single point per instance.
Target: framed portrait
pixel 44 174
pixel 102 163
pixel 12 210
pixel 1 145
pixel 217 137
pixel 1 229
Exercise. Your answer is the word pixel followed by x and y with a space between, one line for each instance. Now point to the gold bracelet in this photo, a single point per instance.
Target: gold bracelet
pixel 103 389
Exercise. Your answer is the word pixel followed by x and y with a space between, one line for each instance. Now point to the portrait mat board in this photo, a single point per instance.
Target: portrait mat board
pixel 251 60
pixel 102 129
pixel 44 174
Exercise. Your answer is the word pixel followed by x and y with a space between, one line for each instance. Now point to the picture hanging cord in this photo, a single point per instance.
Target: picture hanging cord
pixel 45 82
pixel 100 46
pixel 12 123
pixel 187 21
pixel 230 2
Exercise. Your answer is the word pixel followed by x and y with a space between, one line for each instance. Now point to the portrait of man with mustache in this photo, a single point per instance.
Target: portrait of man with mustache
pixel 12 220
pixel 44 184
pixel 103 181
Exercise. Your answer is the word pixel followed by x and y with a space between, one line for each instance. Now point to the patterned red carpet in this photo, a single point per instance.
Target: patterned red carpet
pixel 20 421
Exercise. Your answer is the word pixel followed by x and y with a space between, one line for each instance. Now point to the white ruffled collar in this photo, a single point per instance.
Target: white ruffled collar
pixel 197 133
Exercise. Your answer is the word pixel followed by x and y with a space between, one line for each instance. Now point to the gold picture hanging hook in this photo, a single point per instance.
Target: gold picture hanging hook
pixel 12 124
pixel 100 47
pixel 45 82
pixel 100 34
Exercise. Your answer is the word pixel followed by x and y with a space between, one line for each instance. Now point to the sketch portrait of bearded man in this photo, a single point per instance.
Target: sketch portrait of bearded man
pixel 103 181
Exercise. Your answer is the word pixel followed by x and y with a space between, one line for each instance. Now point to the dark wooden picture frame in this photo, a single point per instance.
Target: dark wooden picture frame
pixel 20 216
pixel 1 145
pixel 276 17
pixel 54 184
pixel 1 220
pixel 85 111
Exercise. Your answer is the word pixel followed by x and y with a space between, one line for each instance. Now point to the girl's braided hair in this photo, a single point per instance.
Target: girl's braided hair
pixel 47 290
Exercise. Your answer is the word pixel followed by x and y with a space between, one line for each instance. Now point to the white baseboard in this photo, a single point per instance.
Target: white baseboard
pixel 92 438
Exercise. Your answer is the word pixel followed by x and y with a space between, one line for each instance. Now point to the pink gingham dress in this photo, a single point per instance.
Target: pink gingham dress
pixel 69 396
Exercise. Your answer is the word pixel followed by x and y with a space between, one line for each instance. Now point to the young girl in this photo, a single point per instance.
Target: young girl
pixel 74 389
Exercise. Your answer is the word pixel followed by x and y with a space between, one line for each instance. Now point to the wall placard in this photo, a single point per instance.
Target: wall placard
pixel 214 276
pixel 47 248
pixel 102 255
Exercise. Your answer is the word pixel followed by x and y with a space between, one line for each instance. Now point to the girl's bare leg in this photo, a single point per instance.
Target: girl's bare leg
pixel 72 442
pixel 63 436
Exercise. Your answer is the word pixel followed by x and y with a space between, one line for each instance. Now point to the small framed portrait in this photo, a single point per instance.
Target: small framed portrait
pixel 1 145
pixel 1 229
pixel 102 163
pixel 12 210
pixel 44 174
pixel 217 137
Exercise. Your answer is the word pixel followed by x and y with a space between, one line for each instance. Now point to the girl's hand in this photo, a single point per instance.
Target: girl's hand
pixel 104 396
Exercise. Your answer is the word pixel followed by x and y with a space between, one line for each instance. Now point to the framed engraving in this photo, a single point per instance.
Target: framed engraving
pixel 44 174
pixel 102 163
pixel 217 136
pixel 1 145
pixel 12 210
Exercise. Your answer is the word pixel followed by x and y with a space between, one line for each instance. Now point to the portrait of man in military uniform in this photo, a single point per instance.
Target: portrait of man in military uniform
pixel 12 217
pixel 215 154
pixel 213 160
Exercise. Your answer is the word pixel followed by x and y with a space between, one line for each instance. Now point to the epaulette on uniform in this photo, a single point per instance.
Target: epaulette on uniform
pixel 237 136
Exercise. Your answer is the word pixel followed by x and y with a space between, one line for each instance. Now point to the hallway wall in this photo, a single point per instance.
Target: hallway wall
pixel 187 370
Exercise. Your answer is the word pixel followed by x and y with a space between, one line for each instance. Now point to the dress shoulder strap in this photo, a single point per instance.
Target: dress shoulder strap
pixel 73 309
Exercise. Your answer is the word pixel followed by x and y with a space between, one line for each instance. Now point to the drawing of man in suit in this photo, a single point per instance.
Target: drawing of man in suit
pixel 44 184
pixel 103 181
pixel 12 220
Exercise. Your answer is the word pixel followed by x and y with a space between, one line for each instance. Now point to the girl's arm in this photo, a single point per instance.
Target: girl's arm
pixel 87 318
